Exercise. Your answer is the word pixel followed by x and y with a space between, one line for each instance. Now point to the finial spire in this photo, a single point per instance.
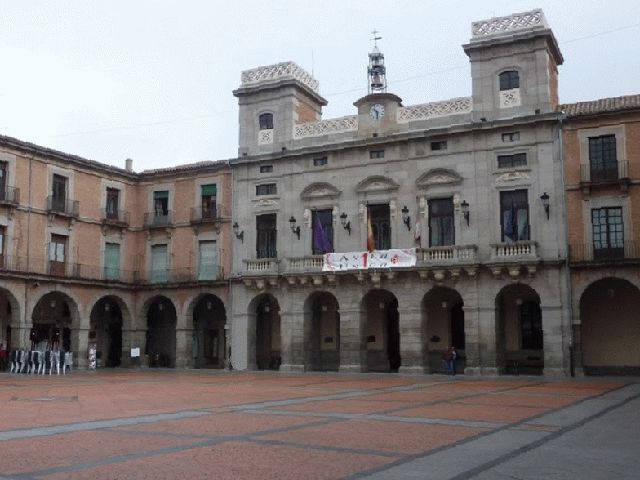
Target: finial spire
pixel 376 70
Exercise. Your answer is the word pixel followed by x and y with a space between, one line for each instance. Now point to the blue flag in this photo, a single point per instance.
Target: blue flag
pixel 321 242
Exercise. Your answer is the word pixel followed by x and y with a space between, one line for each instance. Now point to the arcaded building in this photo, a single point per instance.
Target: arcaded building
pixel 373 242
pixel 602 171
pixel 96 254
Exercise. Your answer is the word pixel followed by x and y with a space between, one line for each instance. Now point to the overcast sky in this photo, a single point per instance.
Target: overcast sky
pixel 152 80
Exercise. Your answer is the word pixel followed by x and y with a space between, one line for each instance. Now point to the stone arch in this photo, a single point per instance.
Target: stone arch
pixel 381 330
pixel 519 336
pixel 321 332
pixel 580 287
pixel 208 322
pixel 442 326
pixel 610 328
pixel 127 312
pixel 264 334
pixel 54 316
pixel 106 323
pixel 10 312
pixel 160 345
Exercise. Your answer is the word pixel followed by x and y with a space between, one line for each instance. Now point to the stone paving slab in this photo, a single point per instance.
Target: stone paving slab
pixel 199 424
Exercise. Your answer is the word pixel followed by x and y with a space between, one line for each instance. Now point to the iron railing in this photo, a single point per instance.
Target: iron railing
pixel 598 253
pixel 158 219
pixel 209 273
pixel 63 206
pixel 10 195
pixel 608 173
pixel 208 213
pixel 115 217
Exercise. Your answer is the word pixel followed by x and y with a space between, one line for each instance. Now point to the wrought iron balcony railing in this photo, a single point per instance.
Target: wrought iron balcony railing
pixel 115 217
pixel 598 253
pixel 208 273
pixel 10 195
pixel 605 173
pixel 63 206
pixel 158 219
pixel 208 213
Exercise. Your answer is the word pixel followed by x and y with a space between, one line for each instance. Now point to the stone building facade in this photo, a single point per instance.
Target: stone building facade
pixel 97 254
pixel 473 184
pixel 602 171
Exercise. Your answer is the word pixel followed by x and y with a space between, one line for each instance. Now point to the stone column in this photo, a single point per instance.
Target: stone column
pixel 487 339
pixel 578 366
pixel 412 342
pixel 553 341
pixel 471 340
pixel 79 346
pixel 292 341
pixel 352 348
pixel 243 341
pixel 20 336
pixel 184 337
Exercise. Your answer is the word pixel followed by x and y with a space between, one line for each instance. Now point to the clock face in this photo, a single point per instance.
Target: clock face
pixel 377 111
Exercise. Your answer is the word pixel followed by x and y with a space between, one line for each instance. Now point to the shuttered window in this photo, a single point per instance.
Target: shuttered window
pixel 112 261
pixel 208 264
pixel 159 264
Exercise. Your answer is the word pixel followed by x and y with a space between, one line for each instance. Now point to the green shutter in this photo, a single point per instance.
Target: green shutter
pixel 160 194
pixel 208 264
pixel 112 261
pixel 209 190
pixel 159 263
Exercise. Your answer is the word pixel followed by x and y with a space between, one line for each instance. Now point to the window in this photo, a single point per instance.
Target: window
pixel 514 215
pixel 603 159
pixel 208 260
pixel 376 154
pixel 441 227
pixel 531 326
pixel 266 168
pixel 57 254
pixel 511 137
pixel 113 196
pixel 266 121
pixel 608 233
pixel 112 261
pixel 319 161
pixel 266 236
pixel 3 237
pixel 59 193
pixel 161 206
pixel 266 189
pixel 510 161
pixel 322 225
pixel 3 180
pixel 439 145
pixel 159 264
pixel 509 80
pixel 208 201
pixel 379 216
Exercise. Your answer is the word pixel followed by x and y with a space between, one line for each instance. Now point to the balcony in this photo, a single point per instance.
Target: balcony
pixel 514 251
pixel 588 253
pixel 63 269
pixel 116 218
pixel 210 273
pixel 63 207
pixel 9 196
pixel 158 219
pixel 614 174
pixel 447 255
pixel 208 214
pixel 261 266
pixel 308 264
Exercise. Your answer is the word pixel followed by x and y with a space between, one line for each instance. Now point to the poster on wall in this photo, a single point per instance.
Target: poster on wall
pixel 394 258
pixel 92 355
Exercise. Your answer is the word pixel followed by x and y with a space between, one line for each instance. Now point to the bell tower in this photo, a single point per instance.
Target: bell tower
pixel 376 70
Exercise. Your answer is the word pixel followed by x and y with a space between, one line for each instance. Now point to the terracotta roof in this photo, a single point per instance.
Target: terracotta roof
pixel 186 167
pixel 603 105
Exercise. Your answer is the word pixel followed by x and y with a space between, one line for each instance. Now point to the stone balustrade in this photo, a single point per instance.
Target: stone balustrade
pixel 261 266
pixel 450 254
pixel 427 111
pixel 326 127
pixel 522 250
pixel 312 263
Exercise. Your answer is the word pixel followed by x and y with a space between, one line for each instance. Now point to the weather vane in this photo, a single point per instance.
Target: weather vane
pixel 375 37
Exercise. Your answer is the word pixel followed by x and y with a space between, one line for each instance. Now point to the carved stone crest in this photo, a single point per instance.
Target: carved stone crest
pixel 438 176
pixel 319 190
pixel 377 183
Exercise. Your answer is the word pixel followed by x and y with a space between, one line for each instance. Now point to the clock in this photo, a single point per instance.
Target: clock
pixel 377 111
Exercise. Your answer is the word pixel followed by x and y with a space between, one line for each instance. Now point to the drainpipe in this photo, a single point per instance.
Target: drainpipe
pixel 228 330
pixel 562 118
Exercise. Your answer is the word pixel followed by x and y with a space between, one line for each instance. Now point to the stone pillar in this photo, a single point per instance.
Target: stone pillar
pixel 471 340
pixel 20 334
pixel 487 339
pixel 243 342
pixel 553 341
pixel 79 346
pixel 132 338
pixel 412 342
pixel 576 352
pixel 184 337
pixel 352 347
pixel 292 341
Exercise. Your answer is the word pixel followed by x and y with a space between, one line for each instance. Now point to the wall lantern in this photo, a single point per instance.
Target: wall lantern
pixel 345 224
pixel 107 306
pixel 295 229
pixel 406 219
pixel 545 203
pixel 239 235
pixel 267 307
pixel 465 210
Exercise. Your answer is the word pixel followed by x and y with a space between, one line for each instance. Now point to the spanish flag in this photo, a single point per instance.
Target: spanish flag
pixel 371 242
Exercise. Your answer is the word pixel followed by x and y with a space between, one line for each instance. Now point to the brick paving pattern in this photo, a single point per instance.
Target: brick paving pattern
pixel 168 424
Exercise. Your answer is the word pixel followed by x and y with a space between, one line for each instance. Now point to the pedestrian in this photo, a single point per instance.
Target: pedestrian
pixel 3 357
pixel 449 358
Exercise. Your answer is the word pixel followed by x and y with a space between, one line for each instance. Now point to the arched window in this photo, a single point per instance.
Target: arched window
pixel 509 80
pixel 266 121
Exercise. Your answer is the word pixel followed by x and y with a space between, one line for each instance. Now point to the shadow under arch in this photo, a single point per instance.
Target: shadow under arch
pixel 160 345
pixel 264 334
pixel 443 326
pixel 209 340
pixel 381 331
pixel 519 336
pixel 321 332
pixel 53 317
pixel 610 327
pixel 108 316
pixel 9 314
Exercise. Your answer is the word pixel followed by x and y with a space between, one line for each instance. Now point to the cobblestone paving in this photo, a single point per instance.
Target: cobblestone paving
pixel 190 425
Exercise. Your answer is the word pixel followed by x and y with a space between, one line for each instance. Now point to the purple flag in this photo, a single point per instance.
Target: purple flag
pixel 321 242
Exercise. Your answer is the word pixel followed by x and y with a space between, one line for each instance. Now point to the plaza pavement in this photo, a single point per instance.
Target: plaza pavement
pixel 219 425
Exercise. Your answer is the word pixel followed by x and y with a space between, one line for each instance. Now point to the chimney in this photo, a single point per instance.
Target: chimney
pixel 128 165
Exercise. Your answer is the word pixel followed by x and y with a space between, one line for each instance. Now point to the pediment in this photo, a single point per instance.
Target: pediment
pixel 438 176
pixel 377 183
pixel 513 177
pixel 319 190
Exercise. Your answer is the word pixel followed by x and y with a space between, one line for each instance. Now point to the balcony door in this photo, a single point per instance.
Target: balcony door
pixel 514 215
pixel 159 264
pixel 208 260
pixel 113 197
pixel 3 180
pixel 57 254
pixel 59 193
pixel 603 161
pixel 380 218
pixel 3 236
pixel 208 201
pixel 441 226
pixel 608 233
pixel 112 261
pixel 266 237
